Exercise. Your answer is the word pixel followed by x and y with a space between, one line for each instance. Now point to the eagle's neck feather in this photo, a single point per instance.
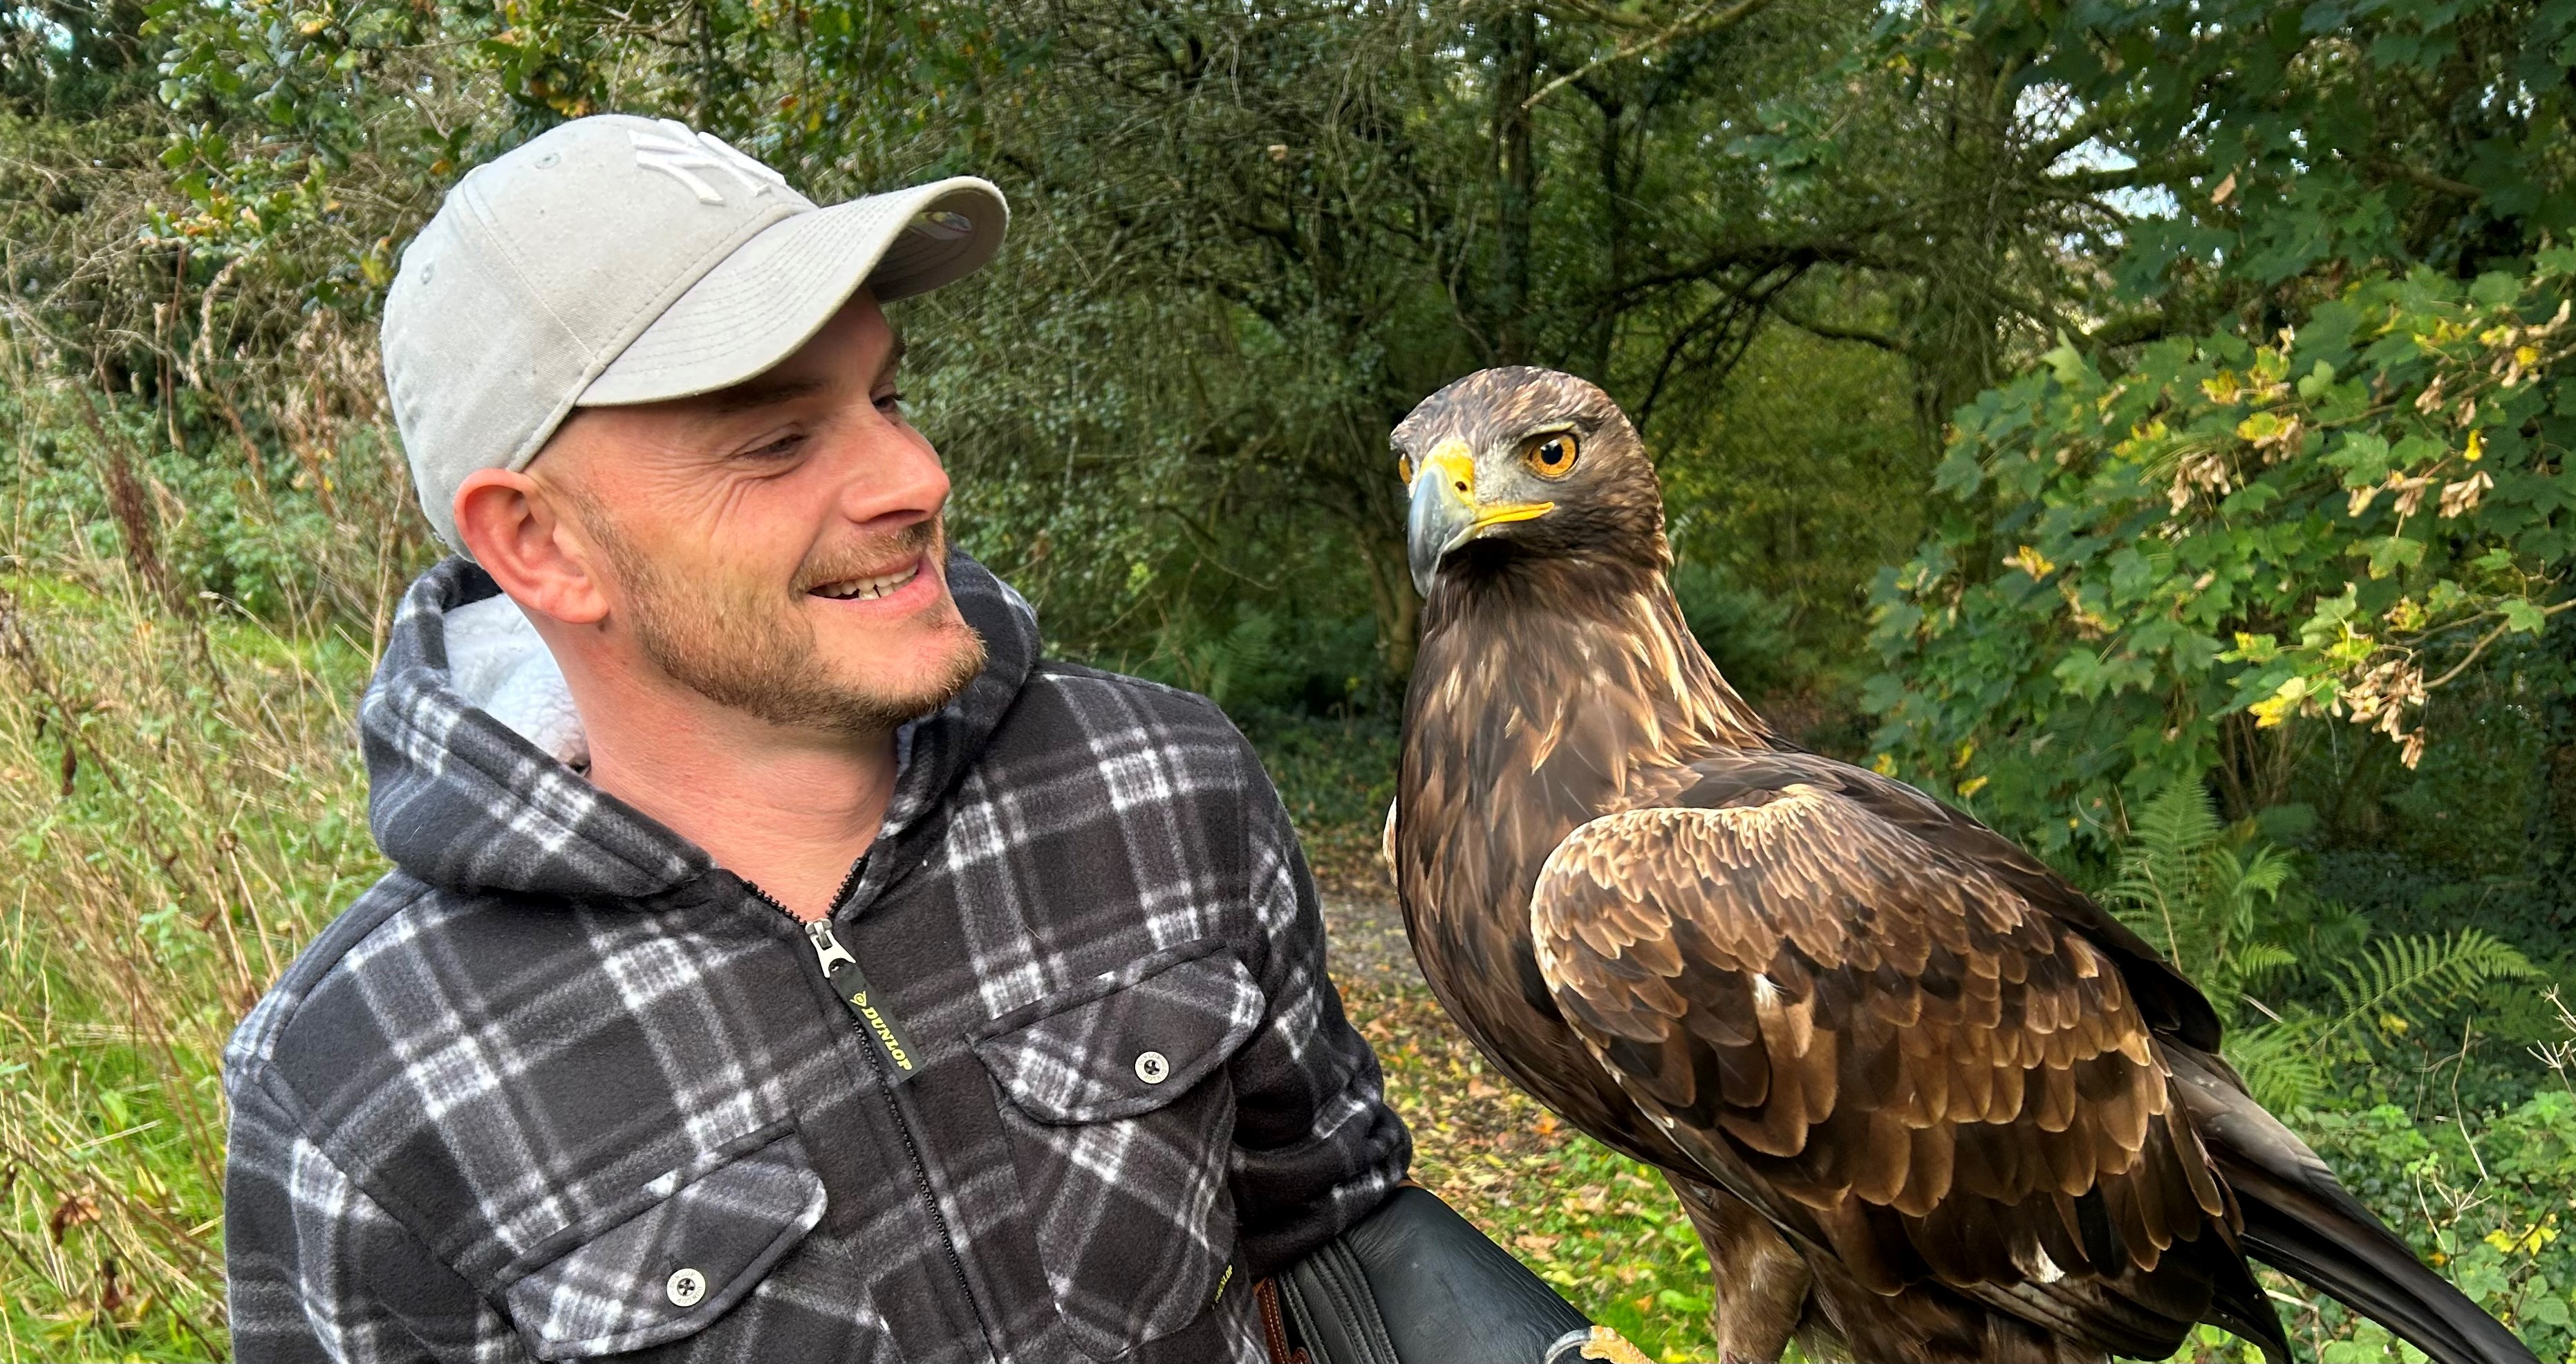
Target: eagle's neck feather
pixel 1537 642
pixel 1552 694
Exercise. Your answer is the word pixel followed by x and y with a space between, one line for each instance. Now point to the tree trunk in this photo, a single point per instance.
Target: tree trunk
pixel 1614 239
pixel 2551 854
pixel 1392 601
pixel 1516 180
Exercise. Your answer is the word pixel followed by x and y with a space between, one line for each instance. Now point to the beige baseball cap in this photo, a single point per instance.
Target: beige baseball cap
pixel 616 260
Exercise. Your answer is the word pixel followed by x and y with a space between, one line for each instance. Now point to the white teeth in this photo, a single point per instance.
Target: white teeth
pixel 867 589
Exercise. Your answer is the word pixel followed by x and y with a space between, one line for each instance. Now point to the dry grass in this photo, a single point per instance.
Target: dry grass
pixel 181 806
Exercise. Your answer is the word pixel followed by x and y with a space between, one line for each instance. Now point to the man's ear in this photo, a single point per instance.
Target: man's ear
pixel 516 528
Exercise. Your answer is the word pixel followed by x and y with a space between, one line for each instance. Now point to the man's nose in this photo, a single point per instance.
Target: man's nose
pixel 890 478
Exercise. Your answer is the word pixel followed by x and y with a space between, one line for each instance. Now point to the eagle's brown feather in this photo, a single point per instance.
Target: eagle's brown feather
pixel 1940 1075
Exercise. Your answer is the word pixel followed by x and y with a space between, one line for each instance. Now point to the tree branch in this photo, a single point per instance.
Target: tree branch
pixel 2130 330
pixel 2083 184
pixel 2488 638
pixel 1599 14
pixel 1764 256
pixel 2424 179
pixel 2043 155
pixel 1684 29
pixel 1830 331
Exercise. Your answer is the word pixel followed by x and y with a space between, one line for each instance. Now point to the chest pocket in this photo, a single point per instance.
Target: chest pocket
pixel 694 1245
pixel 1121 1121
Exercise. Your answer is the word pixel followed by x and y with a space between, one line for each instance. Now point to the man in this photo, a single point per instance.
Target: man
pixel 866 987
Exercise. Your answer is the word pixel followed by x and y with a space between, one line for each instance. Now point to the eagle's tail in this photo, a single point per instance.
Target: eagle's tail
pixel 2301 1220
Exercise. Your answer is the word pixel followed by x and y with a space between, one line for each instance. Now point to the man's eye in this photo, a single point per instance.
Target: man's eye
pixel 784 447
pixel 890 402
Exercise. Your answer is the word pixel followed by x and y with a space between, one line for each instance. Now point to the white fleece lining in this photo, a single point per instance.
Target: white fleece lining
pixel 497 662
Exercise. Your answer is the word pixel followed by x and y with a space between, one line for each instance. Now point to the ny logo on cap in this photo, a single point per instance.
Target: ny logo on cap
pixel 679 150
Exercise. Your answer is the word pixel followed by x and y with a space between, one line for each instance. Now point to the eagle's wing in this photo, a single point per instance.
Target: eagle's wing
pixel 1954 1084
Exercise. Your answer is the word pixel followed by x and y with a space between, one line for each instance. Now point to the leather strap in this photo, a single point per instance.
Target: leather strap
pixel 1274 1325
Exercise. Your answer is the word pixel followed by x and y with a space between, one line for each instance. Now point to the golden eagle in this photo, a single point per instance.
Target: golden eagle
pixel 1922 1098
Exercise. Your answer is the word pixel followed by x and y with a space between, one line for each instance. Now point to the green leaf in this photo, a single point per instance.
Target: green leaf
pixel 2389 553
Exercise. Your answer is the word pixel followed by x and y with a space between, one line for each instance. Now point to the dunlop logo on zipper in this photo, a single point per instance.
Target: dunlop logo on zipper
pixel 877 1021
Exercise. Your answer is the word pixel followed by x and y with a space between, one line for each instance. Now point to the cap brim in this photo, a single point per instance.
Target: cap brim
pixel 776 290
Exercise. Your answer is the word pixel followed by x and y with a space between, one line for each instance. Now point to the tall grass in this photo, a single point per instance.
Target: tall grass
pixel 180 808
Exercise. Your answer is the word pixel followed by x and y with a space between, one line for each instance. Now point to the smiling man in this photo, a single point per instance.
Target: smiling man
pixel 783 960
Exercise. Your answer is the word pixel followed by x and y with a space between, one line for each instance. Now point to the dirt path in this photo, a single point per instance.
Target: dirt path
pixel 1364 942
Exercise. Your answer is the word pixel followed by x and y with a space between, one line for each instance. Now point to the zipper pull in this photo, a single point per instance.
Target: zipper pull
pixel 874 1016
pixel 827 949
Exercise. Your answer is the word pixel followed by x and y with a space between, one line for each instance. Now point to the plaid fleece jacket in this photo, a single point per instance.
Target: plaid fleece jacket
pixel 561 1088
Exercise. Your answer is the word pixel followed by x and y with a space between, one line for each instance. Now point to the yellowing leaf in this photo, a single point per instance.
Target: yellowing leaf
pixel 1973 785
pixel 2279 706
pixel 2477 446
pixel 2030 561
pixel 2258 426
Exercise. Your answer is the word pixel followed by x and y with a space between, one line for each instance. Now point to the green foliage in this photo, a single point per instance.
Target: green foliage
pixel 180 810
pixel 2183 567
pixel 2228 913
pixel 1745 632
pixel 2484 1197
pixel 2185 888
pixel 2231 299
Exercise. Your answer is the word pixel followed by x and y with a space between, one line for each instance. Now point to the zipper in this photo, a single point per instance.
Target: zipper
pixel 875 1018
pixel 832 957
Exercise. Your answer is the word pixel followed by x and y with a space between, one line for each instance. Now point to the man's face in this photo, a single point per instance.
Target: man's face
pixel 777 547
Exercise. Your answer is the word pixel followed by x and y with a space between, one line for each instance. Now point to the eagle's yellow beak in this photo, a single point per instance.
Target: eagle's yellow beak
pixel 1445 513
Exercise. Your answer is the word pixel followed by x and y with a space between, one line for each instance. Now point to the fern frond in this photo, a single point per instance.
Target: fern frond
pixel 2417 972
pixel 2282 1064
pixel 2253 962
pixel 2266 873
pixel 2162 888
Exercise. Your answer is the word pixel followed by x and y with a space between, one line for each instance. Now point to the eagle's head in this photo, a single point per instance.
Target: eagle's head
pixel 1516 465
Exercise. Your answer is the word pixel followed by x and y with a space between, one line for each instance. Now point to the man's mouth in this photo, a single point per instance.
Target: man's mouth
pixel 871 587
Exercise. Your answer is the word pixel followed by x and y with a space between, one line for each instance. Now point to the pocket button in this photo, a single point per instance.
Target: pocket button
pixel 1152 1067
pixel 685 1288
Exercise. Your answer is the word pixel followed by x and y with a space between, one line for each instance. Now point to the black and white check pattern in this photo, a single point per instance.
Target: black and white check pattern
pixel 559 1057
pixel 1110 1155
pixel 712 1236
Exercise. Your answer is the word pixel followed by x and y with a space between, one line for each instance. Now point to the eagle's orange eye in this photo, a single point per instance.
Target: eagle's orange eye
pixel 1553 455
pixel 1404 469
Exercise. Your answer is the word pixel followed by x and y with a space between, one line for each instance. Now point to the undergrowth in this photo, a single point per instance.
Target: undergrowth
pixel 182 808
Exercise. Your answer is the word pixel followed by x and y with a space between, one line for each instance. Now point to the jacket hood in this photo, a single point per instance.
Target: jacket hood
pixel 467 736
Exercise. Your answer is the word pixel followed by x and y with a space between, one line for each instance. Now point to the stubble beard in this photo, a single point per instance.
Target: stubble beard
pixel 736 644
